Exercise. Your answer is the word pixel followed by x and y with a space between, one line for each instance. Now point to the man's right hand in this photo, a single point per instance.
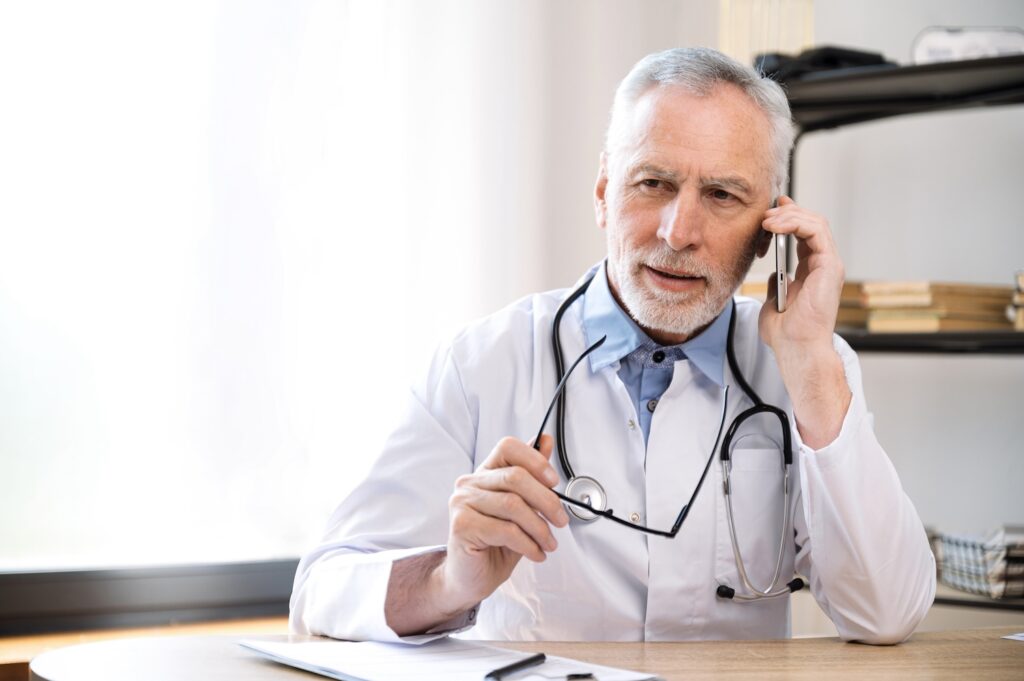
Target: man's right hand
pixel 498 514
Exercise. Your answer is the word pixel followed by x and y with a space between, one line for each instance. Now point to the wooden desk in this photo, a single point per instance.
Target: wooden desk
pixel 954 655
pixel 17 651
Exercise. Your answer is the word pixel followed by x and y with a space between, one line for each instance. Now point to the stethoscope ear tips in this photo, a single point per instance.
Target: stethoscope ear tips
pixel 724 591
pixel 588 491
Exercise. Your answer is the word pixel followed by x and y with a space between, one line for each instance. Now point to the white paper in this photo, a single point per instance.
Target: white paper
pixel 1015 637
pixel 446 659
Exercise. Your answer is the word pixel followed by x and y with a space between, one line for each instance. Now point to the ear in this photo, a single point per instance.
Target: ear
pixel 600 205
pixel 764 242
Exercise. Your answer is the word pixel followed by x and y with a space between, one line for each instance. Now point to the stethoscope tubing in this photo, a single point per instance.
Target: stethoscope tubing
pixel 559 400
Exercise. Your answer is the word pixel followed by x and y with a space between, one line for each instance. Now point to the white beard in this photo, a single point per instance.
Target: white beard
pixel 676 313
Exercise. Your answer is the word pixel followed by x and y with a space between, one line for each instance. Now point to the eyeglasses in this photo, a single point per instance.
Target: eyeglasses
pixel 609 514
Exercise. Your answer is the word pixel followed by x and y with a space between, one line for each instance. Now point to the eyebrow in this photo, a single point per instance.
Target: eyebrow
pixel 733 182
pixel 737 184
pixel 649 169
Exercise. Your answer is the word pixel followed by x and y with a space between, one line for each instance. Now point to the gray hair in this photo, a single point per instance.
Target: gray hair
pixel 699 70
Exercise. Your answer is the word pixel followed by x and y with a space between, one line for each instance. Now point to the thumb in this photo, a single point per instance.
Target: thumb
pixel 785 200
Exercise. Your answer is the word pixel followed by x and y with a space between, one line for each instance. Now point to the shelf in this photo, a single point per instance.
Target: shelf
pixel 829 99
pixel 945 595
pixel 990 342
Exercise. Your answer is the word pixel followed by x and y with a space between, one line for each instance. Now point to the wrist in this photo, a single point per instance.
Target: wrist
pixel 815 379
pixel 452 596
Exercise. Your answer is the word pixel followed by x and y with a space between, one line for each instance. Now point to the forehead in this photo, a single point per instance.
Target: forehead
pixel 722 132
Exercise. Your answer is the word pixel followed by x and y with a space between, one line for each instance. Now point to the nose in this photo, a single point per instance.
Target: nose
pixel 681 222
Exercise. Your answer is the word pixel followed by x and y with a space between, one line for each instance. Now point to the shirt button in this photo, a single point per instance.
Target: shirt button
pixel 472 614
pixel 632 424
pixel 634 517
pixel 651 404
pixel 658 356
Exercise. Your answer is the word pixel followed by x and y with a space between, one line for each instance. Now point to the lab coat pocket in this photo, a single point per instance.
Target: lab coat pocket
pixel 756 493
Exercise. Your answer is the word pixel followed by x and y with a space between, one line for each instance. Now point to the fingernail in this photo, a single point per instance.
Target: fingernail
pixel 552 544
pixel 551 476
pixel 563 517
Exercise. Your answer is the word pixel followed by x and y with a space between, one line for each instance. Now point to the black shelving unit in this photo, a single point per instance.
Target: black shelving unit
pixel 833 99
pixel 988 342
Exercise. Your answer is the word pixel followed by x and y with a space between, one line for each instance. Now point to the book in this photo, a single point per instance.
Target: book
pixel 852 317
pixel 993 314
pixel 925 323
pixel 950 301
pixel 907 287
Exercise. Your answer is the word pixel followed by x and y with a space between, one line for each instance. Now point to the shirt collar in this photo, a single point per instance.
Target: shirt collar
pixel 602 316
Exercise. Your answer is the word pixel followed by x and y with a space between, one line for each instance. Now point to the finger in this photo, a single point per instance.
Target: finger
pixel 513 452
pixel 481 531
pixel 811 229
pixel 516 480
pixel 511 507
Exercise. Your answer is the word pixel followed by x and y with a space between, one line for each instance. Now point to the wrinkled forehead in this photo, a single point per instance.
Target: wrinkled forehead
pixel 722 130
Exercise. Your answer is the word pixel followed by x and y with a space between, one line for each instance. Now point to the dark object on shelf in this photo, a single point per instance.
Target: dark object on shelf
pixel 785 67
pixel 834 99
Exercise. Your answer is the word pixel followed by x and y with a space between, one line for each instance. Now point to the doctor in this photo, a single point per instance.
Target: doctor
pixel 457 527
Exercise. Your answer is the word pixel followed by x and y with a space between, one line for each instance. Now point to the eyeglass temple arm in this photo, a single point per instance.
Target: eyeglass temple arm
pixel 686 509
pixel 561 385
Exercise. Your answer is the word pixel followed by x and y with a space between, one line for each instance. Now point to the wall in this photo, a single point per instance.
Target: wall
pixel 931 197
pixel 589 48
pixel 928 197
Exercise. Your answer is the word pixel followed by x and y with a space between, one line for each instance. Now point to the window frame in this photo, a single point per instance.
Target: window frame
pixel 62 600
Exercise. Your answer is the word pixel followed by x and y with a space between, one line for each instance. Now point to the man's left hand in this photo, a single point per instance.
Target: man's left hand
pixel 801 337
pixel 813 300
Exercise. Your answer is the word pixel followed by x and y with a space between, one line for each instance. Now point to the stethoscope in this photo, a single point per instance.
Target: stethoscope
pixel 585 497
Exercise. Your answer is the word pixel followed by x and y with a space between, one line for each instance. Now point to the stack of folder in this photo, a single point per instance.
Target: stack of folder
pixel 992 566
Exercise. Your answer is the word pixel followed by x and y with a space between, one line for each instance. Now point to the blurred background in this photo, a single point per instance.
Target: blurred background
pixel 230 233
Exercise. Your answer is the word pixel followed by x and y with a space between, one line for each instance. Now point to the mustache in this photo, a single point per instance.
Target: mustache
pixel 667 259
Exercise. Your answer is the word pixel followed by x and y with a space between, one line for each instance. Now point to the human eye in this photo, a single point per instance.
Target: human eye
pixel 654 184
pixel 722 195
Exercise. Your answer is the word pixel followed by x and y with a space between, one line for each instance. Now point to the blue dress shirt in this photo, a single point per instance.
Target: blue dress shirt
pixel 644 366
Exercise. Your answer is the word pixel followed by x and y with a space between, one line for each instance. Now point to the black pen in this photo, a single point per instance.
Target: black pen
pixel 519 666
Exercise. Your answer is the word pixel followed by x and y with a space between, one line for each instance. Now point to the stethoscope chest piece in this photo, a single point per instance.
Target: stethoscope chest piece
pixel 588 491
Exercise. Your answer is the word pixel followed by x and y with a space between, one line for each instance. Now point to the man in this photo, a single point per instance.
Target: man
pixel 435 540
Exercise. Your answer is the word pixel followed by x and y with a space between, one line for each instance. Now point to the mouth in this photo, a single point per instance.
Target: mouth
pixel 673 280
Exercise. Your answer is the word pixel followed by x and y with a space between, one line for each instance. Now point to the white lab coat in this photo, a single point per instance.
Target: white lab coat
pixel 857 536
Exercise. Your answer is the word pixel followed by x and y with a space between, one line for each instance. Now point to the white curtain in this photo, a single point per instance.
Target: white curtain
pixel 230 232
